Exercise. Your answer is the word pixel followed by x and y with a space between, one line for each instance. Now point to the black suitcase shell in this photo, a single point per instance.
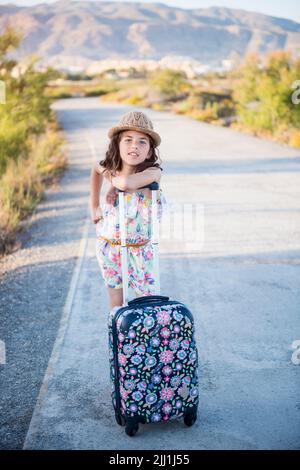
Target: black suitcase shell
pixel 153 362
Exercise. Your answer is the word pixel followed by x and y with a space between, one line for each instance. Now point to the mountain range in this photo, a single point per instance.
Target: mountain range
pixel 124 30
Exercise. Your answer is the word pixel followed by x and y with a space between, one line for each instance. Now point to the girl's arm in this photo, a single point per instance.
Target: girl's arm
pixel 137 180
pixel 96 180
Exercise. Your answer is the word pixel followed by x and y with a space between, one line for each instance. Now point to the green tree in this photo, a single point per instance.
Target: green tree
pixel 245 94
pixel 169 82
pixel 8 40
pixel 263 94
pixel 27 109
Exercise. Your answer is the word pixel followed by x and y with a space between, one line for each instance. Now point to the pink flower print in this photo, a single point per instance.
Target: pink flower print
pixel 186 380
pixel 166 356
pixel 175 382
pixel 185 344
pixel 133 371
pixel 131 334
pixel 174 344
pixel 165 333
pixel 115 257
pixel 163 318
pixel 167 370
pixel 130 385
pixel 166 394
pixel 149 255
pixel 142 386
pixel 167 408
pixel 111 271
pixel 121 337
pixel 127 349
pixel 122 359
pixel 123 393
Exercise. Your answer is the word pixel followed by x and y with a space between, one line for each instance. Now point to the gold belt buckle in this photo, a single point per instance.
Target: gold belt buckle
pixel 118 242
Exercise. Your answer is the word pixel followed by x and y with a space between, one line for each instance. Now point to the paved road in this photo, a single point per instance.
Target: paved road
pixel 239 276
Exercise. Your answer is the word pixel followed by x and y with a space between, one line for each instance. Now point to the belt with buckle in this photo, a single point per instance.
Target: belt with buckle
pixel 118 242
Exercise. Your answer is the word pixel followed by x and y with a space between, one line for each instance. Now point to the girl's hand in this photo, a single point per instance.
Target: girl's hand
pixel 111 195
pixel 96 214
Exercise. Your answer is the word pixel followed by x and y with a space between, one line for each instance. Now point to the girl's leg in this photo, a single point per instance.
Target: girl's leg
pixel 115 297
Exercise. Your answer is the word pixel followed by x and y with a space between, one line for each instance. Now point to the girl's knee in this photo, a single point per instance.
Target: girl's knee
pixel 115 297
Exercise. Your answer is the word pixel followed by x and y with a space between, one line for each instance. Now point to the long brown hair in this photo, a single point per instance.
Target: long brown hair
pixel 113 162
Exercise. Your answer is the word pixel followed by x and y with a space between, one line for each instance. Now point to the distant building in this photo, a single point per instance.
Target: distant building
pixel 121 68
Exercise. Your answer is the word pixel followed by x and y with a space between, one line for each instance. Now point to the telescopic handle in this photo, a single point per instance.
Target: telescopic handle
pixel 153 186
pixel 150 298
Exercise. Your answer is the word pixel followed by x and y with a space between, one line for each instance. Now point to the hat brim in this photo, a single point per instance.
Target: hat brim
pixel 155 136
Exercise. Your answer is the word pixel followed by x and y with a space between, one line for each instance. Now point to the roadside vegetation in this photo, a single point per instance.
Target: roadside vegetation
pixel 31 155
pixel 255 98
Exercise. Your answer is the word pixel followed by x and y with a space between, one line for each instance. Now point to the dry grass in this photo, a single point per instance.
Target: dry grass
pixel 295 139
pixel 24 181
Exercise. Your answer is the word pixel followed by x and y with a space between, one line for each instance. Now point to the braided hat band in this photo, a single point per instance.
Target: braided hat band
pixel 136 121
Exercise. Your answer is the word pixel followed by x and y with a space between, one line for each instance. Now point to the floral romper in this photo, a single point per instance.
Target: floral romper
pixel 138 211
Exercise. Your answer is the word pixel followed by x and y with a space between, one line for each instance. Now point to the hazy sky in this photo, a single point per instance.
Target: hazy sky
pixel 282 8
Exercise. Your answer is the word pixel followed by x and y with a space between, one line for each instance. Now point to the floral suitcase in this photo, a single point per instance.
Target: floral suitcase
pixel 152 351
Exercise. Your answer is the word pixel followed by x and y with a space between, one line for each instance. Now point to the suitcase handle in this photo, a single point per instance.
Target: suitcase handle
pixel 148 298
pixel 153 186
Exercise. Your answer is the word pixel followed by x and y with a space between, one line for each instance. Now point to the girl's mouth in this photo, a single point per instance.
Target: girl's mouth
pixel 133 154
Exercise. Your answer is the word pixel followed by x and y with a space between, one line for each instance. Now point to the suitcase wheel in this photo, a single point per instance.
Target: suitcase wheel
pixel 132 426
pixel 131 430
pixel 120 419
pixel 190 416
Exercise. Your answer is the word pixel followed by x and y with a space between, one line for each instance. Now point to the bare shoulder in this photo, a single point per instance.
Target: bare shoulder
pixel 100 169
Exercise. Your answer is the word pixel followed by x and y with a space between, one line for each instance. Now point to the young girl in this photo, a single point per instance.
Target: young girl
pixel 130 163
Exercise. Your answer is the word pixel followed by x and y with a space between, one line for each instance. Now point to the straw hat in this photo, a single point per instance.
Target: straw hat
pixel 136 121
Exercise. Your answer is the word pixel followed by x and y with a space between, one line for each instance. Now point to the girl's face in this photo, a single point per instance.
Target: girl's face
pixel 134 147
